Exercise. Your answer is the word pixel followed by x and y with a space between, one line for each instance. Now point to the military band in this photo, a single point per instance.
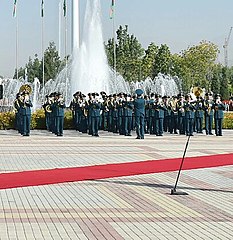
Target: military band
pixel 122 113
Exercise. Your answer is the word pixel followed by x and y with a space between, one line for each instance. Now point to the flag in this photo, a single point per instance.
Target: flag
pixel 112 9
pixel 42 8
pixel 14 9
pixel 64 8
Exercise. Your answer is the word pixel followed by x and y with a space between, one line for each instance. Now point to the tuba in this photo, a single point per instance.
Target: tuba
pixel 26 88
pixel 197 92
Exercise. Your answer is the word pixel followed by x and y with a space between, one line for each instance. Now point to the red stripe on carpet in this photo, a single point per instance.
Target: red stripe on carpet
pixel 53 176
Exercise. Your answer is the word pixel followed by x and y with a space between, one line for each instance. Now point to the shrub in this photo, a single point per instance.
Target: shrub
pixel 7 120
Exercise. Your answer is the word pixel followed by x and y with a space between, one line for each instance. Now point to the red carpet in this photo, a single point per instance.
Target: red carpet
pixel 52 176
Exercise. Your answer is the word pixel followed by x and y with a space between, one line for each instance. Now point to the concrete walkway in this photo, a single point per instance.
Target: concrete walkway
pixel 138 207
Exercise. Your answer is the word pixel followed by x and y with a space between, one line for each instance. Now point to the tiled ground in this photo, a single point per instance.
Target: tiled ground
pixel 138 207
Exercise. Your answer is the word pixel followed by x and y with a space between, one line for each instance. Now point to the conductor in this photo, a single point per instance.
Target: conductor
pixel 139 111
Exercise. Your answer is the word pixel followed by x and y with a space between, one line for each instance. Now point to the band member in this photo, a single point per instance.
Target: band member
pixel 75 106
pixel 181 114
pixel 139 111
pixel 167 115
pixel 128 115
pixel 219 107
pixel 18 119
pixel 114 109
pixel 48 111
pixel 147 114
pixel 174 115
pixel 189 109
pixel 209 113
pixel 59 106
pixel 25 112
pixel 159 115
pixel 95 107
pixel 199 114
pixel 120 100
pixel 105 113
pixel 152 113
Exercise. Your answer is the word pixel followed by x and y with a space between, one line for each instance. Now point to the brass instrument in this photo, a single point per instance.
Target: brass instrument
pixel 208 106
pixel 172 103
pixel 26 88
pixel 48 108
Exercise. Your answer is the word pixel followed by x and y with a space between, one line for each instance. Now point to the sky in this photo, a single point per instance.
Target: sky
pixel 177 23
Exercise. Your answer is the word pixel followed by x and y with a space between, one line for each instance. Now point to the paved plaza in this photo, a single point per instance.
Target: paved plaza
pixel 135 207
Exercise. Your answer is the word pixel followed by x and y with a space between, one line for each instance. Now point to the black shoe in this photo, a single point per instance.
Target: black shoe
pixel 138 138
pixel 211 134
pixel 96 135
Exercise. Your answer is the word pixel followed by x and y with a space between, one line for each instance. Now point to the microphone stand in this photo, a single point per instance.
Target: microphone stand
pixel 173 191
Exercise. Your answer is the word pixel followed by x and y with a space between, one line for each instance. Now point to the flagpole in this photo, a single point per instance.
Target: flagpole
pixel 17 46
pixel 42 53
pixel 114 40
pixel 59 30
pixel 66 73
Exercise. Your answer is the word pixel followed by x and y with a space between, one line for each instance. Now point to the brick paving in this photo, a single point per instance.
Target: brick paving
pixel 136 207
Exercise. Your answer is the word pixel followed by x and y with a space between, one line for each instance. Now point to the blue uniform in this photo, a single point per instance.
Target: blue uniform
pixel 209 115
pixel 95 108
pixel 218 117
pixel 139 111
pixel 189 118
pixel 128 115
pixel 25 113
pixel 59 107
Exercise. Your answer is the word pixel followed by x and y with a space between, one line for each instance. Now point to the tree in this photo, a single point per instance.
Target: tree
pixel 162 62
pixel 198 60
pixel 224 91
pixel 129 53
pixel 148 61
pixel 52 62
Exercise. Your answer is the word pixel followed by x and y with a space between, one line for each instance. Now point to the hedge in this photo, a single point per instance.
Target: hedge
pixel 7 120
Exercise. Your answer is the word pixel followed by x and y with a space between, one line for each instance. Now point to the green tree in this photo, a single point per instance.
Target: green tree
pixel 52 62
pixel 198 60
pixel 224 90
pixel 148 61
pixel 129 53
pixel 162 63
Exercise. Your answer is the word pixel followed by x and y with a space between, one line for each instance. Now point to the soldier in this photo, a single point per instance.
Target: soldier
pixel 159 115
pixel 181 114
pixel 208 113
pixel 59 106
pixel 152 113
pixel 199 114
pixel 121 99
pixel 25 111
pixel 174 115
pixel 147 114
pixel 48 111
pixel 75 106
pixel 167 115
pixel 189 109
pixel 83 115
pixel 139 110
pixel 114 114
pixel 18 119
pixel 219 107
pixel 105 112
pixel 128 115
pixel 95 107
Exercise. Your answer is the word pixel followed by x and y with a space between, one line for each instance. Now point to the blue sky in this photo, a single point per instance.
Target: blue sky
pixel 178 23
